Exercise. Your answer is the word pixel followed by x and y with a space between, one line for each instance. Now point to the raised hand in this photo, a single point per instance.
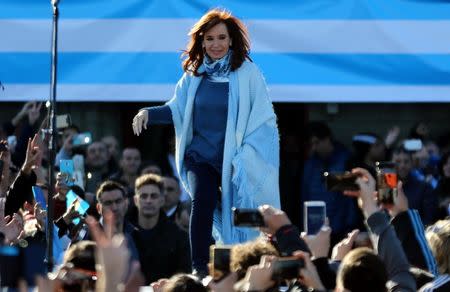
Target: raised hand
pixel 140 122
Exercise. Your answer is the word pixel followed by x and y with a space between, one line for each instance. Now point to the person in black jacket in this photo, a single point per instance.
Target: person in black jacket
pixel 163 248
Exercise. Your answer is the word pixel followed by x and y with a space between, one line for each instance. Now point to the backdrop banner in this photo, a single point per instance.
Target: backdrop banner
pixel 309 50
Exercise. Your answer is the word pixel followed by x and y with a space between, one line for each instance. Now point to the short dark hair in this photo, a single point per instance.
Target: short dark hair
pixel 110 185
pixel 362 270
pixel 149 179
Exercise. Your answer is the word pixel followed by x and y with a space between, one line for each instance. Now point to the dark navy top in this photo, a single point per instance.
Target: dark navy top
pixel 209 122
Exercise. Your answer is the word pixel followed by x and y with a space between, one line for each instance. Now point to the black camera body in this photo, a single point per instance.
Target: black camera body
pixel 339 182
pixel 287 268
pixel 247 218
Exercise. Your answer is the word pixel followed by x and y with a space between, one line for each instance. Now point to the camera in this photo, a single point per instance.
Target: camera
pixel 286 268
pixel 247 218
pixel 82 139
pixel 220 261
pixel 342 181
pixel 386 182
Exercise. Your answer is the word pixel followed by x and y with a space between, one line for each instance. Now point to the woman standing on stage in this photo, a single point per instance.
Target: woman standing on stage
pixel 227 144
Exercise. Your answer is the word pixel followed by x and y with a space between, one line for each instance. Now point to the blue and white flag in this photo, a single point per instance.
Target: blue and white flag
pixel 308 50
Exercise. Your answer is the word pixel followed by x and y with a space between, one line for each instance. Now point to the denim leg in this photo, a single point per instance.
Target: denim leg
pixel 204 181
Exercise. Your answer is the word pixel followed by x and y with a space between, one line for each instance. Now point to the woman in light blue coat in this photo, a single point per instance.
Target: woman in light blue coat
pixel 227 143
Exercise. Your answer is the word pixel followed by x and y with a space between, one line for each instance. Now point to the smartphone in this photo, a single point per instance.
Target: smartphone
pixel 63 121
pixel 314 216
pixel 340 181
pixel 39 197
pixel 286 268
pixel 247 218
pixel 80 205
pixel 66 168
pixel 386 182
pixel 82 139
pixel 413 145
pixel 219 256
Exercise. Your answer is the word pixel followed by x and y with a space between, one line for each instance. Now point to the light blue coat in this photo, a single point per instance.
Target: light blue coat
pixel 251 151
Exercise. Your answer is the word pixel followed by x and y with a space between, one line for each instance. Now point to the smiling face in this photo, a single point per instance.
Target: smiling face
pixel 217 41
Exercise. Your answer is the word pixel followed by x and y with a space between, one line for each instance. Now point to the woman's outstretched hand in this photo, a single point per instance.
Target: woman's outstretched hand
pixel 140 122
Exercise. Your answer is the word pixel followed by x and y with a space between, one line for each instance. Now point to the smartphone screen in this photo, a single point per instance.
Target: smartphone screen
pixel 314 216
pixel 82 139
pixel 39 197
pixel 220 259
pixel 386 182
pixel 80 205
pixel 66 168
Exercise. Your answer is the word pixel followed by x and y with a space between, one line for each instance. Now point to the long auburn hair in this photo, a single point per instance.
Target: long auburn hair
pixel 236 29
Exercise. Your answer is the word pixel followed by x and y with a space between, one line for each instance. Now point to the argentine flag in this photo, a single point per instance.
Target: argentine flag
pixel 308 50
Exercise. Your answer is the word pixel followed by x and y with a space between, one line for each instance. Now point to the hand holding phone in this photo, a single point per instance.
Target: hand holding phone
pixel 82 139
pixel 314 216
pixel 386 182
pixel 66 169
pixel 81 206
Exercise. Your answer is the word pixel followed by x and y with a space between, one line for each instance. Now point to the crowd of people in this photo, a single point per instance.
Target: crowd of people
pixel 118 223
pixel 135 231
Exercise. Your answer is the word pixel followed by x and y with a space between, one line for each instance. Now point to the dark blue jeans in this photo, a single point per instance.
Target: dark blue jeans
pixel 204 181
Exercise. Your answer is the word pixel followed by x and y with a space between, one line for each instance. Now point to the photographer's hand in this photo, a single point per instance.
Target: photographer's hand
pixel 342 248
pixel 308 274
pixel 258 277
pixel 400 202
pixel 140 122
pixel 319 244
pixel 366 194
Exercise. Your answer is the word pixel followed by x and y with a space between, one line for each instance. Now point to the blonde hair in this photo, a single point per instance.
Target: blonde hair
pixel 148 179
pixel 438 237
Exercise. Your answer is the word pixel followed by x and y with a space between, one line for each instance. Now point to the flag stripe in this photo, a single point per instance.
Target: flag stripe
pixel 278 93
pixel 281 9
pixel 268 36
pixel 299 69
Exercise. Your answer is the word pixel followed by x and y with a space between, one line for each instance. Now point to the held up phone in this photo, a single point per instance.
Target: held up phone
pixel 386 181
pixel 39 197
pixel 63 121
pixel 314 216
pixel 220 261
pixel 66 168
pixel 287 268
pixel 339 182
pixel 247 218
pixel 82 139
pixel 80 205
pixel 412 145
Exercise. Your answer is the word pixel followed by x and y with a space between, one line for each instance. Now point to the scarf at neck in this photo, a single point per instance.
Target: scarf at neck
pixel 218 70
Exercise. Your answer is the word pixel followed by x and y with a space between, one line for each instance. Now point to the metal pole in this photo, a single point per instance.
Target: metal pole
pixel 53 137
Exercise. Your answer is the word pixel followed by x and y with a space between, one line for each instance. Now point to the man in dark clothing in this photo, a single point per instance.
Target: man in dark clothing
pixel 419 193
pixel 328 155
pixel 163 248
